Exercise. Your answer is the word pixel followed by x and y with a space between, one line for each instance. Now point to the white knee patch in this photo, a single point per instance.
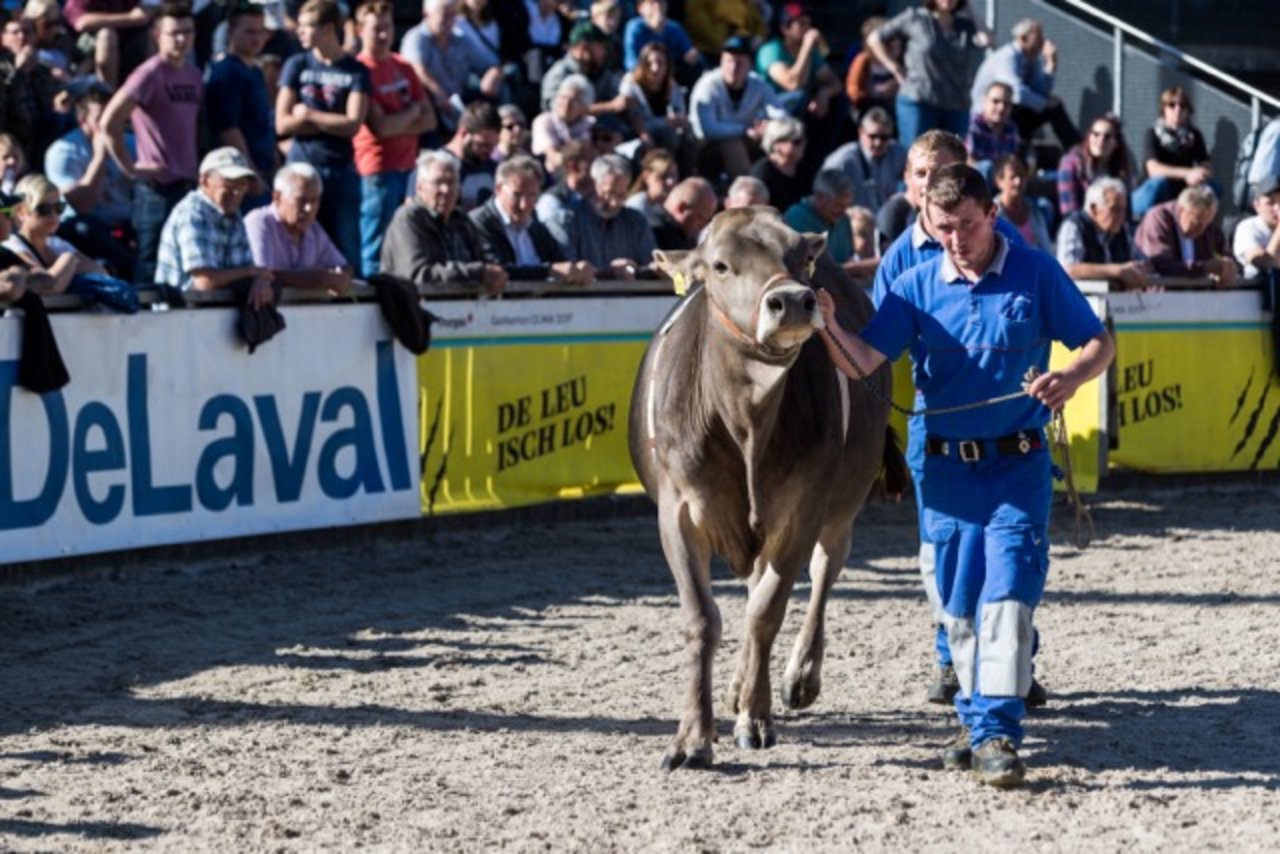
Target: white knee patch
pixel 929 576
pixel 964 650
pixel 1004 651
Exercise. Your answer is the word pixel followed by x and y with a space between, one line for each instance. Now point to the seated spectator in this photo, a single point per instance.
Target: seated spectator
pixel 685 213
pixel 991 135
pixel 1173 153
pixel 823 212
pixel 100 197
pixel 658 175
pixel 572 185
pixel 1094 242
pixel 444 61
pixel 33 238
pixel 1011 174
pixel 472 145
pixel 1181 238
pixel 794 62
pixel 746 191
pixel 1256 244
pixel 13 162
pixel 567 120
pixel 524 247
pixel 386 146
pixel 604 231
pixel 431 242
pixel 203 245
pixel 658 113
pixel 607 16
pixel 285 238
pixel 862 223
pixel 588 55
pixel 162 100
pixel 119 32
pixel 728 107
pixel 55 48
pixel 652 26
pixel 869 82
pixel 710 22
pixel 1101 154
pixel 1027 65
pixel 874 162
pixel 783 145
pixel 514 137
pixel 238 108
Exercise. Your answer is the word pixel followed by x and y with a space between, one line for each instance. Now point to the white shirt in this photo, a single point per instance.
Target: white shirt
pixel 1251 234
pixel 526 252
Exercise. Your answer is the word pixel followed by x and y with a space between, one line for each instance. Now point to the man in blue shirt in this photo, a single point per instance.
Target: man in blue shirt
pixel 240 111
pixel 978 319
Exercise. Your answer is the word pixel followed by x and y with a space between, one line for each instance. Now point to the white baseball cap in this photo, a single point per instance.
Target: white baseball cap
pixel 227 162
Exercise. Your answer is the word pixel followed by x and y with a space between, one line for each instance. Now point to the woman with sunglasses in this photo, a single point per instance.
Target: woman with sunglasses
pixel 1101 154
pixel 36 218
pixel 1174 154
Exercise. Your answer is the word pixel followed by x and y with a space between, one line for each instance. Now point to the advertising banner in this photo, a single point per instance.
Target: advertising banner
pixel 527 401
pixel 171 431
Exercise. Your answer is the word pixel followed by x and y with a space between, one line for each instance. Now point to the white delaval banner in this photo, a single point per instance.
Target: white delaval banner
pixel 171 431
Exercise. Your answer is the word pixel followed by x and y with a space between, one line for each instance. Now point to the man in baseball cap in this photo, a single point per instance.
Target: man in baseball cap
pixel 227 162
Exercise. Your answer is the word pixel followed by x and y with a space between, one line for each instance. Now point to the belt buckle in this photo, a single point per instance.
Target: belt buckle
pixel 1024 444
pixel 970 451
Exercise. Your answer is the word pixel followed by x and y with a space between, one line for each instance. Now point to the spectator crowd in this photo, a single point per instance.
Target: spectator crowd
pixel 250 144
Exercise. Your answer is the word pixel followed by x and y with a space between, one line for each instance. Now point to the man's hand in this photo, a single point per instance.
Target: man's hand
pixel 827 305
pixel 1049 53
pixel 301 112
pixel 581 273
pixel 1223 272
pixel 820 104
pixel 623 268
pixel 260 292
pixel 493 278
pixel 13 284
pixel 1052 389
pixel 1198 175
pixel 1134 274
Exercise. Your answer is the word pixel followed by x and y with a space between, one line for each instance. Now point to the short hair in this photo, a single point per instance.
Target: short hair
pixel 580 85
pixel 610 164
pixel 994 83
pixel 778 130
pixel 1179 93
pixel 950 185
pixel 1099 189
pixel 512 113
pixel 519 166
pixel 291 173
pixel 94 95
pixel 437 157
pixel 372 7
pixel 1200 197
pixel 173 10
pixel 430 5
pixel 32 188
pixel 936 141
pixel 479 116
pixel 693 190
pixel 1005 161
pixel 577 151
pixel 933 4
pixel 326 12
pixel 1024 26
pixel 876 116
pixel 750 187
pixel 832 182
pixel 240 11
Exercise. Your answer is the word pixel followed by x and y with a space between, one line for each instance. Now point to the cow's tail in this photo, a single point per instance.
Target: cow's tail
pixel 895 478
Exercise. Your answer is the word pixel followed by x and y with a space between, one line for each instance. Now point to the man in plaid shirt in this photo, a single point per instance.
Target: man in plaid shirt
pixel 991 134
pixel 203 244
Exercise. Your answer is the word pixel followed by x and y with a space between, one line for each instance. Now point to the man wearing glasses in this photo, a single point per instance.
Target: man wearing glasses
pixel 875 162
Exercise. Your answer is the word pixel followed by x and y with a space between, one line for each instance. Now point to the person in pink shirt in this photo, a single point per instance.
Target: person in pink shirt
pixel 285 238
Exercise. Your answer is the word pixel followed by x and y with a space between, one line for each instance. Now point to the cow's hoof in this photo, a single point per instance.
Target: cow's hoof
pixel 756 736
pixel 800 692
pixel 694 759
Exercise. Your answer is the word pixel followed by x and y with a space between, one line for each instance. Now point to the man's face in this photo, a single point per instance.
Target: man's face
pixel 441 18
pixel 18 34
pixel 1109 215
pixel 693 218
pixel 875 139
pixel 570 105
pixel 174 37
pixel 479 145
pixel 831 207
pixel 795 29
pixel 997 105
pixel 90 122
pixel 249 36
pixel 734 68
pixel 965 233
pixel 920 165
pixel 299 207
pixel 517 195
pixel 589 55
pixel 611 194
pixel 654 13
pixel 226 193
pixel 376 32
pixel 1031 42
pixel 514 134
pixel 438 190
pixel 1193 221
pixel 1268 209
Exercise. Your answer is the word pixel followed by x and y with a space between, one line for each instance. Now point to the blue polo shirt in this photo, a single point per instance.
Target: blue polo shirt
pixel 977 340
pixel 915 246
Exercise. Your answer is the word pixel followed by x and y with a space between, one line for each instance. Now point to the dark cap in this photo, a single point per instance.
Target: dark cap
pixel 791 11
pixel 1266 186
pixel 585 31
pixel 8 202
pixel 737 44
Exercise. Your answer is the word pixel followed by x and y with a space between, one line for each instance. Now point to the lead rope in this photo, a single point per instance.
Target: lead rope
pixel 1057 427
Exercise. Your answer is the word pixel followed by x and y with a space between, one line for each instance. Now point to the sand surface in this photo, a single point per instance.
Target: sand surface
pixel 514 686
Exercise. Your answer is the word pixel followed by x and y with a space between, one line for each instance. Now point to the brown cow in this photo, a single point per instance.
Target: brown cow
pixel 757 449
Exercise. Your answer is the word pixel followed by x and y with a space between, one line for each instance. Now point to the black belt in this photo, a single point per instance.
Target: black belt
pixel 971 450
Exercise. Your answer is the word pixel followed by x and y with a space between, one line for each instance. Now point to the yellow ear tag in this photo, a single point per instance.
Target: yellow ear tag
pixel 813 265
pixel 677 282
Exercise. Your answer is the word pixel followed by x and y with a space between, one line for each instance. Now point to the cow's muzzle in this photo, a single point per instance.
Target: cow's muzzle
pixel 788 315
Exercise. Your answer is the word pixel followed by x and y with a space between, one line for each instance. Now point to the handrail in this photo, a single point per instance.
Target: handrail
pixel 1180 55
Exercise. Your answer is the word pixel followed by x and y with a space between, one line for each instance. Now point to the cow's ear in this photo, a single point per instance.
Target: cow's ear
pixel 675 264
pixel 815 244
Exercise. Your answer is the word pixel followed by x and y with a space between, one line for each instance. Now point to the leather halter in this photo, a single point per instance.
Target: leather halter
pixel 747 336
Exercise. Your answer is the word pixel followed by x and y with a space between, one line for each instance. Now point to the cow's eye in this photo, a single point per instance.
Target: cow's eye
pixel 720 267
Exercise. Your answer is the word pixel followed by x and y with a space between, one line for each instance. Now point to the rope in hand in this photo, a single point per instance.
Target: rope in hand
pixel 1057 429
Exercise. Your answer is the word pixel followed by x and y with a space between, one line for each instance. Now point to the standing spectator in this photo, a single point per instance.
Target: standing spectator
pixel 685 213
pixel 1102 154
pixel 431 242
pixel 659 115
pixel 746 191
pixel 162 98
pixel 588 55
pixel 728 107
pixel 387 144
pixel 285 238
pixel 119 32
pixel 604 231
pixel 651 25
pixel 204 245
pixel 1094 242
pixel 572 186
pixel 567 120
pixel 710 22
pixel 658 176
pixel 323 101
pixel 525 248
pixel 1010 177
pixel 874 162
pixel 1028 64
pixel 444 62
pixel 239 110
pixel 942 44
pixel 607 16
pixel 34 85
pixel 514 137
pixel 823 212
pixel 1173 153
pixel 1257 239
pixel 472 144
pixel 991 134
pixel 783 145
pixel 100 197
pixel 1181 238
pixel 869 82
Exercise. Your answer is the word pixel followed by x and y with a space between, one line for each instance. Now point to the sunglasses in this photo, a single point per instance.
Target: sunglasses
pixel 1182 104
pixel 50 208
pixel 879 137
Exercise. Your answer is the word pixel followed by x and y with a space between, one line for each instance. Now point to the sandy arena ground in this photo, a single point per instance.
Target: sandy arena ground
pixel 515 686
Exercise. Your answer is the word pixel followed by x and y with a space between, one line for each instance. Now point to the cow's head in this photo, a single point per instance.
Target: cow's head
pixel 756 272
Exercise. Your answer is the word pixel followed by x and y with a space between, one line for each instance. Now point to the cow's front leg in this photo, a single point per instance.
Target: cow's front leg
pixel 802 681
pixel 689 555
pixel 766 607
